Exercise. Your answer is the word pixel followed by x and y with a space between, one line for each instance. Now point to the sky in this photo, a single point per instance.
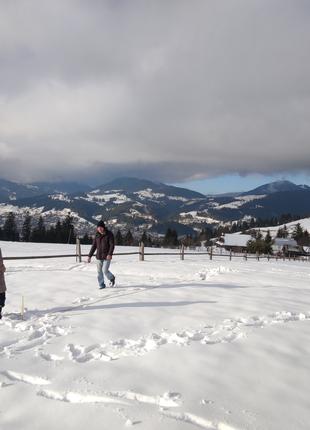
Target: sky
pixel 212 94
pixel 236 183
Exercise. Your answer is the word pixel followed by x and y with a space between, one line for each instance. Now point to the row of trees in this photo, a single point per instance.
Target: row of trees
pixel 260 245
pixel 64 232
pixel 264 245
pixel 61 232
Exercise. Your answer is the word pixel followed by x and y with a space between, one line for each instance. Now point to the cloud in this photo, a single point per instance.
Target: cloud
pixel 166 90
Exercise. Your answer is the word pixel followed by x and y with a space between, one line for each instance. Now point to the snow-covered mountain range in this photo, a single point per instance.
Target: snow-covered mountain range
pixel 141 204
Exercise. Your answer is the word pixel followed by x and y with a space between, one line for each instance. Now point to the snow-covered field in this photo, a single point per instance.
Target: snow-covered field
pixel 176 345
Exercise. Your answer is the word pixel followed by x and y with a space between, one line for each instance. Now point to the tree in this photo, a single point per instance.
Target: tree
pixel 26 228
pixel 298 232
pixel 58 233
pixel 50 234
pixel 282 232
pixel 68 234
pixel 259 245
pixel 119 238
pixel 171 238
pixel 188 241
pixel 146 239
pixel 128 240
pixel 268 243
pixel 39 232
pixel 167 238
pixel 86 240
pixel 10 231
pixel 256 246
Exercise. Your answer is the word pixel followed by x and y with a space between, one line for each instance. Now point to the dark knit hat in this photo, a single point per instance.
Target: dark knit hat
pixel 101 224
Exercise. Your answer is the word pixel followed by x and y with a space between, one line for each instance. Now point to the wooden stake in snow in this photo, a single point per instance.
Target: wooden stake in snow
pixel 141 252
pixel 78 250
pixel 182 252
pixel 22 310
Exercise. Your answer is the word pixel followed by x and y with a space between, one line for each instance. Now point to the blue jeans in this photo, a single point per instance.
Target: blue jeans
pixel 103 269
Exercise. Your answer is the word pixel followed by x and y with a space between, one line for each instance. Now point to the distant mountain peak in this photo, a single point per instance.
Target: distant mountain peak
pixel 274 187
pixel 133 185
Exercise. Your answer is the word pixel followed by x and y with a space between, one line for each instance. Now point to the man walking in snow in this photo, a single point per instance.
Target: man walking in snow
pixel 103 244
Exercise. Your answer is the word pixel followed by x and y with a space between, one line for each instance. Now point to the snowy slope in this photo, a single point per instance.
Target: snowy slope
pixel 304 222
pixel 177 345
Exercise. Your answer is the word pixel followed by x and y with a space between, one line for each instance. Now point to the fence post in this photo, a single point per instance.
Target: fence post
pixel 182 252
pixel 268 257
pixel 22 309
pixel 141 251
pixel 257 256
pixel 78 250
pixel 246 256
pixel 230 254
pixel 211 252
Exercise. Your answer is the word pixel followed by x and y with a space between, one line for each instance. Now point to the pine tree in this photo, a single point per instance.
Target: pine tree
pixel 167 238
pixel 86 240
pixel 68 234
pixel 50 234
pixel 39 232
pixel 10 231
pixel 305 241
pixel 26 228
pixel 171 238
pixel 298 233
pixel 119 238
pixel 58 233
pixel 146 239
pixel 268 243
pixel 128 240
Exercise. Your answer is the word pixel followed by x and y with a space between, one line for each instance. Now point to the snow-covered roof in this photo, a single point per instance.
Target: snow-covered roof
pixel 237 239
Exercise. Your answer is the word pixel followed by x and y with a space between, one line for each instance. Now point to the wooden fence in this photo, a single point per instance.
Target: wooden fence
pixel 180 252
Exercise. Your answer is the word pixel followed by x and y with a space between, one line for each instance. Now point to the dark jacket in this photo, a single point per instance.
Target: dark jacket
pixel 103 244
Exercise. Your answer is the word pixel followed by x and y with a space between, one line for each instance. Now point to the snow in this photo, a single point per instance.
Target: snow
pixel 240 201
pixel 60 196
pixel 305 224
pixel 192 216
pixel 5 209
pixel 134 213
pixel 177 344
pixel 181 199
pixel 148 193
pixel 102 199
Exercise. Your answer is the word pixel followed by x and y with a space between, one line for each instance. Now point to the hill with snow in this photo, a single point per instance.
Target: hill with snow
pixel 143 205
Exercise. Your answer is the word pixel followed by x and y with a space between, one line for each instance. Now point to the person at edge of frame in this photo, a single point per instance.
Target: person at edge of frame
pixel 2 284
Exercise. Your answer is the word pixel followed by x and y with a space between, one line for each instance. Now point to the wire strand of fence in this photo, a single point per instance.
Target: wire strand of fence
pixel 183 256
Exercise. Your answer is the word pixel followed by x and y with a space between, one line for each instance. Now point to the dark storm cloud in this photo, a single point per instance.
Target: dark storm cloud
pixel 167 90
